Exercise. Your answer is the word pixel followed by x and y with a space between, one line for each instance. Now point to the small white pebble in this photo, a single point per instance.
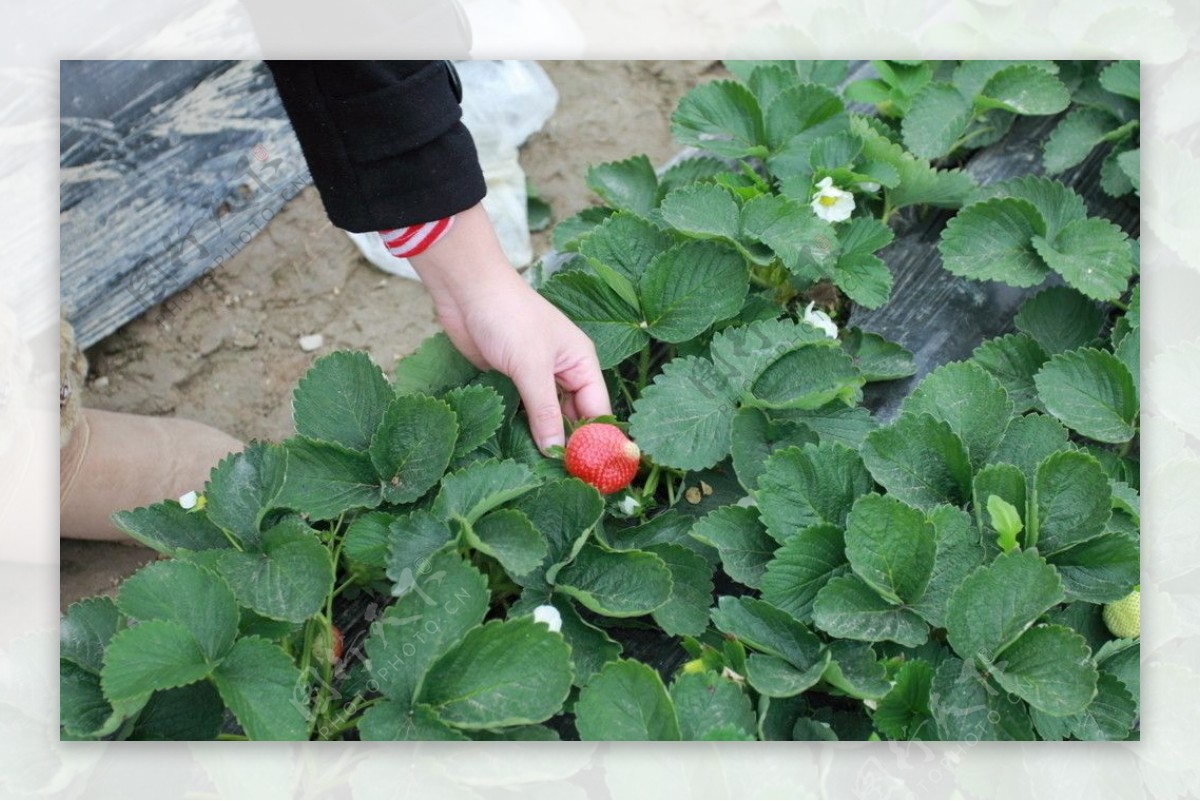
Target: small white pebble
pixel 101 382
pixel 549 615
pixel 188 500
pixel 311 342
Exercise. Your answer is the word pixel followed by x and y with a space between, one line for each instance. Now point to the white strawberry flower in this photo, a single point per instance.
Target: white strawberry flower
pixel 821 320
pixel 830 203
pixel 629 505
pixel 549 615
pixel 189 500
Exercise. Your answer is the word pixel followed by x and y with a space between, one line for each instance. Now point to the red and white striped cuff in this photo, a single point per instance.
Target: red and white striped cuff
pixel 412 240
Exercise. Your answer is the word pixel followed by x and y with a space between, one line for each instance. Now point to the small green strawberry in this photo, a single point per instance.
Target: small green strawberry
pixel 1124 617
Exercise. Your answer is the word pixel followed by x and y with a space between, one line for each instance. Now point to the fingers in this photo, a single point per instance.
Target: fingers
pixel 539 393
pixel 585 383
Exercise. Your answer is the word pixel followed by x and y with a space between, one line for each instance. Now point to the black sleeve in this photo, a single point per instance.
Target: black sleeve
pixel 384 140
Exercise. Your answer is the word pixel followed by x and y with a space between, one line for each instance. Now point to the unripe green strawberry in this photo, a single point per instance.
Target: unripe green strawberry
pixel 601 455
pixel 1124 617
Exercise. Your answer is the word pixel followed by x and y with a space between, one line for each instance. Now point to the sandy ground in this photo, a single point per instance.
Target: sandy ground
pixel 228 354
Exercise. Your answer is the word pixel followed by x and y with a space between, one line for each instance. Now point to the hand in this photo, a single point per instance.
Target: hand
pixel 500 323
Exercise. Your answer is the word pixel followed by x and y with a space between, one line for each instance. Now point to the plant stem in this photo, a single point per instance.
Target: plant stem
pixel 1120 305
pixel 238 737
pixel 651 485
pixel 643 368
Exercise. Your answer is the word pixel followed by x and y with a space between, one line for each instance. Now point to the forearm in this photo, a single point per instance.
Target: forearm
pixel 467 265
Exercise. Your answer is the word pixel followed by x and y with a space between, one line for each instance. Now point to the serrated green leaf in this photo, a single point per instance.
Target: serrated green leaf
pixel 686 611
pixel 847 608
pixel 917 181
pixel 807 378
pixel 864 278
pixel 856 670
pixel 241 488
pixel 741 353
pixel 770 630
pixel 937 118
pixel 564 512
pixel 417 438
pixel 435 366
pixel 1113 180
pixel 83 711
pixel 323 479
pixel 628 185
pixel 689 171
pixel 835 152
pixel 682 420
pixel 477 489
pixel 967 398
pixel 1110 715
pixel 995 604
pixel 806 109
pixel 1130 162
pixel 510 537
pixel 1075 136
pixel 85 630
pixel 341 399
pixel 390 720
pixel 903 714
pixel 1102 570
pixel 754 437
pixel 1025 90
pixel 449 598
pixel 1007 484
pixel 740 539
pixel 890 546
pixel 799 569
pixel 958 554
pixel 971 76
pixel 411 540
pixel 801 487
pixel 968 708
pixel 626 701
pixel 1073 500
pixel 774 677
pixel 1092 255
pixel 705 211
pixel 591 648
pixel 626 243
pixel 186 594
pixel 365 546
pixel 154 655
pixel 169 528
pixel 867 90
pixel 835 422
pixel 1028 441
pixel 259 682
pixel 805 244
pixel 1129 351
pixel 480 411
pixel 195 712
pixel 1060 319
pixel 1013 360
pixel 612 324
pixel 1123 78
pixel 920 460
pixel 569 233
pixel 505 673
pixel 705 702
pixel 1056 203
pixel 1123 662
pixel 288 580
pixel 616 583
pixel 992 240
pixel 1006 520
pixel 1050 667
pixel 1092 392
pixel 689 287
pixel 722 117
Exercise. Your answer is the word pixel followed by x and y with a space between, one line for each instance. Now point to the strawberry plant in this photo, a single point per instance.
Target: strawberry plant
pixel 767 559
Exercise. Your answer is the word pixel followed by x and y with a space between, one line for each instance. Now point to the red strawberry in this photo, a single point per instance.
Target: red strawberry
pixel 339 643
pixel 601 455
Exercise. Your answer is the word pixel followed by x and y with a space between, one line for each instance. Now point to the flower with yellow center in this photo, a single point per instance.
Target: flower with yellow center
pixel 830 203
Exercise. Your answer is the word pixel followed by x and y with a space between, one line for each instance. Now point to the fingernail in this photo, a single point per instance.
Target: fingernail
pixel 551 443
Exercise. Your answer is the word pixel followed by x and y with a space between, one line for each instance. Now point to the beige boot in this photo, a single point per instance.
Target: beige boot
pixel 116 461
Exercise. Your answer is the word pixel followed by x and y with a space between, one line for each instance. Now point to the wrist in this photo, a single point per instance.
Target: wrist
pixel 467 262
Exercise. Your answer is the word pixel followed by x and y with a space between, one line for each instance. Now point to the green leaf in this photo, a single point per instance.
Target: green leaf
pixel 705 702
pixel 324 479
pixel 971 76
pixel 918 181
pixel 804 109
pixel 1114 180
pixel 682 420
pixel 390 720
pixel 806 244
pixel 992 240
pixel 411 540
pixel 1075 136
pixel 479 411
pixel 891 546
pixel 505 673
pixel 1050 667
pixel 435 366
pixel 1130 162
pixel 967 708
pixel 689 287
pixel 799 569
pixel 1013 360
pixel 904 714
pixel 836 422
pixel 801 487
pixel 754 437
pixel 740 539
pixel 475 490
pixel 1060 319
pixel 807 378
pixel 289 580
pixel 1101 570
pixel 259 684
pixel 1092 392
pixel 341 399
pixel 996 603
pixel 958 553
pixel 154 655
pixel 688 171
pixel 195 712
pixel 83 711
pixel 564 512
pixel 741 353
pixel 510 537
pixel 626 701
pixel 856 670
pixel 241 488
pixel 705 211
pixel 937 118
pixel 591 648
pixel 1073 500
pixel 626 243
pixel 1006 520
pixel 770 630
pixel 1028 441
pixel 920 460
pixel 972 402
pixel 449 598
pixel 85 630
pixel 1110 715
pixel 569 233
pixel 1123 78
pixel 847 608
pixel 1092 255
pixel 628 185
pixel 616 583
pixel 1025 90
pixel 365 546
pixel 169 528
pixel 612 324
pixel 774 677
pixel 1129 351
pixel 1056 203
pixel 835 152
pixel 864 278
pixel 189 595
pixel 686 611
pixel 722 117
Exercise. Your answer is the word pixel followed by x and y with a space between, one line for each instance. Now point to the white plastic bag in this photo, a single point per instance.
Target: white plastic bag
pixel 504 103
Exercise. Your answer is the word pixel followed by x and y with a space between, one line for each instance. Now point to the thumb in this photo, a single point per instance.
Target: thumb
pixel 539 393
